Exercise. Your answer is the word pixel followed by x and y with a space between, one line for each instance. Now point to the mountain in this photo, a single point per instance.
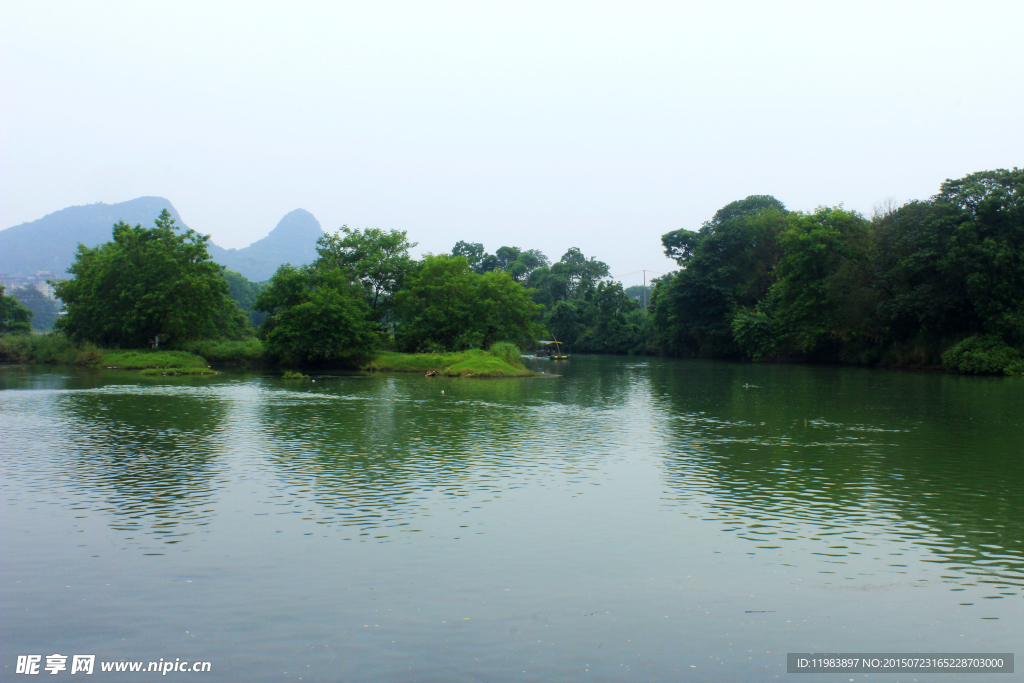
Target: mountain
pixel 292 241
pixel 49 243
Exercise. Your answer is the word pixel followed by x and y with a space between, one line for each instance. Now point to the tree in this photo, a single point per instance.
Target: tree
pixel 825 263
pixel 988 247
pixel 244 292
pixel 504 310
pixel 727 264
pixel 315 314
pixel 473 251
pixel 577 269
pixel 13 316
pixel 377 259
pixel 436 307
pixel 45 310
pixel 447 306
pixel 146 286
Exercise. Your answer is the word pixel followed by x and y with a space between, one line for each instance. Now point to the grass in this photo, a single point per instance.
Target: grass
pixel 290 374
pixel 177 371
pixel 472 363
pixel 247 352
pixel 145 359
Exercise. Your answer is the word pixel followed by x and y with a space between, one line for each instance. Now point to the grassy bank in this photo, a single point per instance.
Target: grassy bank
pixel 247 353
pixel 155 362
pixel 57 349
pixel 472 363
pixel 193 358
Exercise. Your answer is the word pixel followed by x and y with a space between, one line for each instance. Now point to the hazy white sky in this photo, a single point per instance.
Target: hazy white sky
pixel 539 125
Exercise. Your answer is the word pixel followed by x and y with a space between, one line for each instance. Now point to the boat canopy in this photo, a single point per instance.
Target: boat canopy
pixel 545 342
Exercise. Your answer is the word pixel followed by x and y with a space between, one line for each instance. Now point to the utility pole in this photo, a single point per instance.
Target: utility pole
pixel 645 290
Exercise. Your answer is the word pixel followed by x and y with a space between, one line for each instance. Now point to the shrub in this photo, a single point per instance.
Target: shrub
pixel 507 352
pixel 290 374
pixel 753 333
pixel 983 355
pixel 244 352
pixel 46 348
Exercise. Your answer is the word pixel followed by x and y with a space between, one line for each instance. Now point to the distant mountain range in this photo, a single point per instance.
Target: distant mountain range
pixel 49 243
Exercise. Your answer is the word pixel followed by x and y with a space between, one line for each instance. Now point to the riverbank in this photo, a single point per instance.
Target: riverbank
pixel 472 363
pixel 195 358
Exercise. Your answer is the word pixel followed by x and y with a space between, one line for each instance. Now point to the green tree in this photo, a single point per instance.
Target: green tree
pixel 726 265
pixel 13 316
pixel 473 251
pixel 447 306
pixel 45 310
pixel 378 259
pixel 504 310
pixel 436 306
pixel 578 270
pixel 146 286
pixel 823 270
pixel 315 314
pixel 988 247
pixel 244 292
pixel 563 321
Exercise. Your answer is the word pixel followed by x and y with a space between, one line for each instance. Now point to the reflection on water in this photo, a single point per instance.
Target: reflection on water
pixel 144 454
pixel 616 472
pixel 822 462
pixel 841 464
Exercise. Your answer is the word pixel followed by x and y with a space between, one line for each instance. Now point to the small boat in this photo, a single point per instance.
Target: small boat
pixel 550 349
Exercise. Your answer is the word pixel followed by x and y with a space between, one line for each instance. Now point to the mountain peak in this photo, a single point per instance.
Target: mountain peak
pixel 293 240
pixel 49 243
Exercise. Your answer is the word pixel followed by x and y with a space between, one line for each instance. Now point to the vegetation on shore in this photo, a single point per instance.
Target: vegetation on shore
pixel 928 283
pixel 502 360
pixel 935 283
pixel 58 349
pixel 470 363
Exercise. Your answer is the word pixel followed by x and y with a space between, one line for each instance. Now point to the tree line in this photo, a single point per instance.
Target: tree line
pixel 153 286
pixel 936 281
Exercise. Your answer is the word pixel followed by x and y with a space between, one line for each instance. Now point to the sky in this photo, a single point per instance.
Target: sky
pixel 538 125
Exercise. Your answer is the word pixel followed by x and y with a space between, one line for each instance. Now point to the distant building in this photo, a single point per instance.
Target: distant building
pixel 39 281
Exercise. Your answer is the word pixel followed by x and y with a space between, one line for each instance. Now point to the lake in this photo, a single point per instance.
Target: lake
pixel 619 519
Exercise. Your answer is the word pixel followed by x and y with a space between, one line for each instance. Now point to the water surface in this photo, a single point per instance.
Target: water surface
pixel 628 519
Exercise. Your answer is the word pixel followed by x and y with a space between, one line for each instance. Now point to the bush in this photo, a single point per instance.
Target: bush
pixel 46 348
pixel 294 375
pixel 983 355
pixel 507 352
pixel 245 352
pixel 753 333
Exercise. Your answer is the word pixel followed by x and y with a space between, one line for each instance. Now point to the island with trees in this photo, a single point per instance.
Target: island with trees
pixel 935 283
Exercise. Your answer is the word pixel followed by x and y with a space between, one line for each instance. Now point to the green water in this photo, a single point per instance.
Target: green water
pixel 625 520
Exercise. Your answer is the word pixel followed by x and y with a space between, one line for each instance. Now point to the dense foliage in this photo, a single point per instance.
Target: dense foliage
pixel 14 317
pixel 929 282
pixel 244 292
pixel 146 286
pixel 577 307
pixel 376 259
pixel 758 281
pixel 314 314
pixel 447 306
